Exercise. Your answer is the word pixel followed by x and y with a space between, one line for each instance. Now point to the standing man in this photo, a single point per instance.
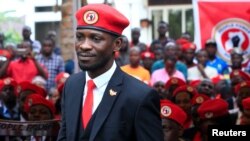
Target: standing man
pixel 102 103
pixel 36 45
pixel 53 62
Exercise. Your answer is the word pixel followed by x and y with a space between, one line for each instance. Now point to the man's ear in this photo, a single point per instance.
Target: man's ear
pixel 117 44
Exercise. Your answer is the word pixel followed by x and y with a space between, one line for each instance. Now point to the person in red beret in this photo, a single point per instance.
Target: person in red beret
pixel 188 50
pixel 182 97
pixel 39 109
pixel 9 109
pixel 242 91
pixel 238 76
pixel 245 119
pixel 173 119
pixel 102 95
pixel 26 88
pixel 172 84
pixel 212 112
pixel 61 78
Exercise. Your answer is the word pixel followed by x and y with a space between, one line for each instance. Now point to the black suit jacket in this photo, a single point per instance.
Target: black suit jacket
pixel 130 115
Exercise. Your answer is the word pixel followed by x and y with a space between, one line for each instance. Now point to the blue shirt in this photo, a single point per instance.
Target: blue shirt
pixel 220 65
pixel 54 65
pixel 179 66
pixel 5 113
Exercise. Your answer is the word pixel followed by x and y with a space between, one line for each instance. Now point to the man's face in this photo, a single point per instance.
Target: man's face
pixel 134 58
pixel 211 50
pixel 95 49
pixel 171 130
pixel 162 29
pixel 135 34
pixel 39 112
pixel 236 60
pixel 26 33
pixel 47 47
pixel 202 57
pixel 207 88
pixel 189 55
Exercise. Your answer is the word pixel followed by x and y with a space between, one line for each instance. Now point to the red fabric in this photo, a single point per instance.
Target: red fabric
pixel 245 84
pixel 25 85
pixel 88 103
pixel 185 88
pixel 246 103
pixel 101 17
pixel 187 46
pixel 174 81
pixel 37 99
pixel 171 111
pixel 213 108
pixel 147 54
pixel 22 70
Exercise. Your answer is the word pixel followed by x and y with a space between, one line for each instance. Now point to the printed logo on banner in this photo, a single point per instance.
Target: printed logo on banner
pixel 232 33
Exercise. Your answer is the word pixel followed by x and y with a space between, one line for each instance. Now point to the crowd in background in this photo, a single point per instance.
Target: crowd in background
pixel 196 87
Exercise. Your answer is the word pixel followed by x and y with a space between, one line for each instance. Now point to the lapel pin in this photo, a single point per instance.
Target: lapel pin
pixel 112 93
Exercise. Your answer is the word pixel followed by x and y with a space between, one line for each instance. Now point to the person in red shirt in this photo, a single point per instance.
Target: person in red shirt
pixel 25 68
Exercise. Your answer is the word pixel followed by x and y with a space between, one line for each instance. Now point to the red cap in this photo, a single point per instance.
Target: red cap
pixel 246 103
pixel 240 73
pixel 195 83
pixel 171 111
pixel 185 88
pixel 174 81
pixel 101 17
pixel 37 99
pixel 213 108
pixel 25 85
pixel 187 46
pixel 182 41
pixel 61 77
pixel 147 54
pixel 199 99
pixel 8 81
pixel 217 79
pixel 241 85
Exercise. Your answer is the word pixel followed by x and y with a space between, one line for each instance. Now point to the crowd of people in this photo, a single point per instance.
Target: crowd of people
pixel 195 85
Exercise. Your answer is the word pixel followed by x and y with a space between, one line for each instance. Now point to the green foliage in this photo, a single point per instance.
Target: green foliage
pixel 12 36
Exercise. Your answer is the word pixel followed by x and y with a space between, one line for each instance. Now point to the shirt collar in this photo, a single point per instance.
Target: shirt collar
pixel 52 56
pixel 103 78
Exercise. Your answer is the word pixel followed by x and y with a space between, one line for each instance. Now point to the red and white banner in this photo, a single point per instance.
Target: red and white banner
pixel 226 21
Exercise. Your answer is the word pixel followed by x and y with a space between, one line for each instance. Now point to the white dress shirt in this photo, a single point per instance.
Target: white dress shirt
pixel 101 83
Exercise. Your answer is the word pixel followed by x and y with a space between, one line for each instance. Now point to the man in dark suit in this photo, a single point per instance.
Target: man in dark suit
pixel 112 106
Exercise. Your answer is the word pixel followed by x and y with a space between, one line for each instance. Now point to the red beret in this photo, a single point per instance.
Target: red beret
pixel 8 81
pixel 241 85
pixel 187 46
pixel 171 111
pixel 37 99
pixel 246 103
pixel 101 17
pixel 217 79
pixel 174 81
pixel 195 83
pixel 62 76
pixel 25 85
pixel 147 54
pixel 181 41
pixel 199 99
pixel 240 73
pixel 213 108
pixel 185 88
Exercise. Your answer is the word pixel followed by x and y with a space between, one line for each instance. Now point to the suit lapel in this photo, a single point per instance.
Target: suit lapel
pixel 76 101
pixel 110 95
